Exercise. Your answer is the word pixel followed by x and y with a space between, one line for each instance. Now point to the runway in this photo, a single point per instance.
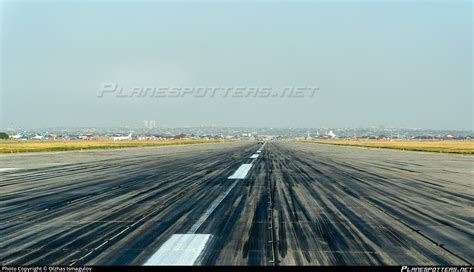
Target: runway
pixel 292 204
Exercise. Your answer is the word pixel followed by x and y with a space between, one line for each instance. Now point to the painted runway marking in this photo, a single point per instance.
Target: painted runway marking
pixel 242 172
pixel 180 249
pixel 8 169
pixel 184 249
pixel 211 208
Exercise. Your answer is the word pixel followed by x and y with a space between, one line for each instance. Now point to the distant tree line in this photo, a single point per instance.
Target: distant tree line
pixel 4 136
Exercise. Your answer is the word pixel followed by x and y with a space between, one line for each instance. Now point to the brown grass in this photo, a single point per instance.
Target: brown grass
pixel 9 146
pixel 447 146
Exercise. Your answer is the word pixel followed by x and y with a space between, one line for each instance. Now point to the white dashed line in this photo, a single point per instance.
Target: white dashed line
pixel 180 249
pixel 185 249
pixel 242 172
pixel 8 169
pixel 211 208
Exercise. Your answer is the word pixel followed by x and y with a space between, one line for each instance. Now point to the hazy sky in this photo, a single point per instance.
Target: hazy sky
pixel 401 64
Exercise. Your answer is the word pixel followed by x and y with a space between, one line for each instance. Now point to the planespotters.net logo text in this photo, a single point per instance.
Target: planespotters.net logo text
pixel 117 91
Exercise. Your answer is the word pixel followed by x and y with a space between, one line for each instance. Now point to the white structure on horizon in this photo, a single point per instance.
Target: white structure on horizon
pixel 150 124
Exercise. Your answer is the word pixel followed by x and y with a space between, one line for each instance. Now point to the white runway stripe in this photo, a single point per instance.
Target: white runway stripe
pixel 180 249
pixel 242 172
pixel 8 169
pixel 211 208
pixel 185 249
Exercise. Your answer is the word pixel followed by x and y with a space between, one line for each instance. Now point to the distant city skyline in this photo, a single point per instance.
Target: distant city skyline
pixel 140 125
pixel 392 64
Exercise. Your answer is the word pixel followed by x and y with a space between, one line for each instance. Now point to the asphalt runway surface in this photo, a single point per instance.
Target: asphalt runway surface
pixel 292 204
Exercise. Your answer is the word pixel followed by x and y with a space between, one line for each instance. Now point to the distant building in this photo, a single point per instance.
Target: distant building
pixel 150 124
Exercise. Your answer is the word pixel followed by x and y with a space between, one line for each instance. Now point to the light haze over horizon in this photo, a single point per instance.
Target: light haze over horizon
pixel 396 64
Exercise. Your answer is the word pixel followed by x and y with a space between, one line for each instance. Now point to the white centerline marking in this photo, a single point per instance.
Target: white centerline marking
pixel 8 169
pixel 211 208
pixel 185 249
pixel 180 249
pixel 242 172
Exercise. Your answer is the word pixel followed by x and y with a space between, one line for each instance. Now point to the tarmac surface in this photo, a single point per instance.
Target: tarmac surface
pixel 289 203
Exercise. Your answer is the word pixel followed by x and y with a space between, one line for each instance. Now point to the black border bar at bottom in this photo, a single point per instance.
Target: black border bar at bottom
pixel 9 268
